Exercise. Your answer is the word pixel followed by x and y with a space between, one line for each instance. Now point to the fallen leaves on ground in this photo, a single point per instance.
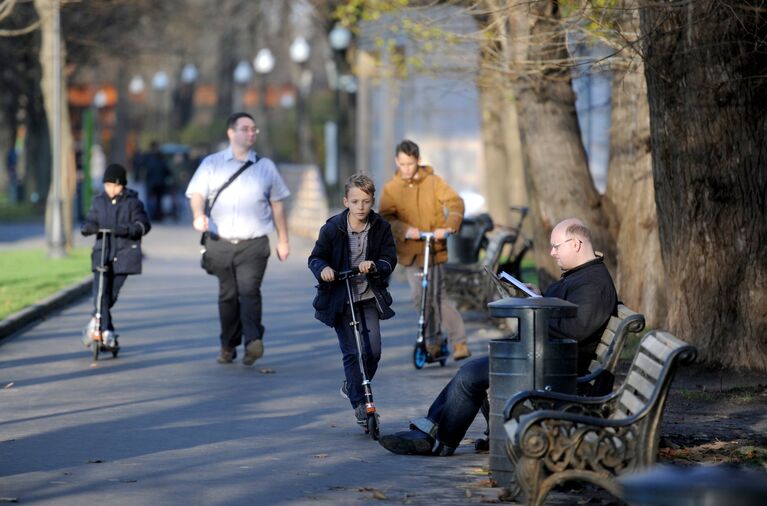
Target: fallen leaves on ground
pixel 9 385
pixel 734 452
pixel 321 456
pixel 266 370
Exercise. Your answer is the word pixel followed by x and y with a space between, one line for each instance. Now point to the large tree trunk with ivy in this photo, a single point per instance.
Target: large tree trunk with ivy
pixel 559 182
pixel 708 109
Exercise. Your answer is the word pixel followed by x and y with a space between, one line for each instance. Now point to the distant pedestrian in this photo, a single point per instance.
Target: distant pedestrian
pixel 156 178
pixel 417 200
pixel 119 210
pixel 357 237
pixel 238 247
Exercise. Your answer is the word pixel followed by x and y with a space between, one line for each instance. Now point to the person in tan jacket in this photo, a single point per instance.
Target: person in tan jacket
pixel 417 200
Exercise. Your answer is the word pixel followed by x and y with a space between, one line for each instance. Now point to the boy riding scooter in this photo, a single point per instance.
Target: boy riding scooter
pixel 357 238
pixel 416 200
pixel 118 217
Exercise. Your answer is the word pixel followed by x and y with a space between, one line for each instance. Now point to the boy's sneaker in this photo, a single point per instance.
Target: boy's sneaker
pixel 88 332
pixel 344 390
pixel 461 351
pixel 361 414
pixel 434 349
pixel 253 351
pixel 227 355
pixel 109 339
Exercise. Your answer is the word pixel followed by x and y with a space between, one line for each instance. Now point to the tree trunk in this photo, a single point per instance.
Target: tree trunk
pixel 558 179
pixel 705 62
pixel 45 9
pixel 629 201
pixel 504 170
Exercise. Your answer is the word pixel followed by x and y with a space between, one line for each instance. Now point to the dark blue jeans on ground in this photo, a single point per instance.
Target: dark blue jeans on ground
pixel 112 284
pixel 370 333
pixel 456 406
pixel 240 269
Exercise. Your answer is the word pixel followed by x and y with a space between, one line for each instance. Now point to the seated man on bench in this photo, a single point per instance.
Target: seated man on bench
pixel 585 281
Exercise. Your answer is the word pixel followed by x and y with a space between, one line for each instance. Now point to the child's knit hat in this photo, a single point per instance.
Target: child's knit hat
pixel 115 173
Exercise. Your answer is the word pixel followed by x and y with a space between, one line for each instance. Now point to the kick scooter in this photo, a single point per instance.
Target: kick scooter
pixel 371 424
pixel 98 345
pixel 421 356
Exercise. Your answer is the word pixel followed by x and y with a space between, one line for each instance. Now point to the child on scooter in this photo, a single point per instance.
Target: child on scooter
pixel 417 200
pixel 119 210
pixel 357 237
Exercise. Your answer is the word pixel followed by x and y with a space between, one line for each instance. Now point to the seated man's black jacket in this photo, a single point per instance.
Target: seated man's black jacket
pixel 591 287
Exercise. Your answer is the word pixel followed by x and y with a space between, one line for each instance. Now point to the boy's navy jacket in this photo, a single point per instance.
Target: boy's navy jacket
pixel 125 215
pixel 332 249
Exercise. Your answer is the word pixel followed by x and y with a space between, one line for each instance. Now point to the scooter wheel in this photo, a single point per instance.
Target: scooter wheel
pixel 444 352
pixel 372 426
pixel 419 357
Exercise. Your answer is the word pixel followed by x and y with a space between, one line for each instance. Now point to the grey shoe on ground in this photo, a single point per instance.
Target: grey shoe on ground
pixel 253 351
pixel 360 413
pixel 227 355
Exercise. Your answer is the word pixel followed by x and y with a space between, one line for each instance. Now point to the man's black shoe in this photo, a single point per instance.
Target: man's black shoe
pixel 408 442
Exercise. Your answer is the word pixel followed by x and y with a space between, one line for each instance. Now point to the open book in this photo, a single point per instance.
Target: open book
pixel 518 284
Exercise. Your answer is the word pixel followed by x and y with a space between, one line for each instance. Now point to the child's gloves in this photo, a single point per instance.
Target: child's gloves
pixel 89 228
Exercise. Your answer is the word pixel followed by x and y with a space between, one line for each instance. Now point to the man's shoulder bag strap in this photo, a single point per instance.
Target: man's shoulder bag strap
pixel 223 187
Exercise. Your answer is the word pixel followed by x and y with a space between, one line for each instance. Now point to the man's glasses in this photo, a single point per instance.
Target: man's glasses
pixel 246 130
pixel 556 246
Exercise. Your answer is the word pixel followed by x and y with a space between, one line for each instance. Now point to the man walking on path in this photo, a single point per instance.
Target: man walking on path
pixel 237 250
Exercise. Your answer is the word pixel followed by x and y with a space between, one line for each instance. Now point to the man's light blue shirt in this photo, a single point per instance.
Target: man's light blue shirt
pixel 243 211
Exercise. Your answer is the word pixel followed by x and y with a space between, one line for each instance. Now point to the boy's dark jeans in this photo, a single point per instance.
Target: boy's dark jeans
pixel 112 284
pixel 240 269
pixel 367 315
pixel 458 403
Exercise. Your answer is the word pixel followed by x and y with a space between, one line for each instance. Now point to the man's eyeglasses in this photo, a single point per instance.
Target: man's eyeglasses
pixel 249 130
pixel 556 246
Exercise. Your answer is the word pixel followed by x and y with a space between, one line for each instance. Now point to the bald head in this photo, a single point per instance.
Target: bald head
pixel 571 244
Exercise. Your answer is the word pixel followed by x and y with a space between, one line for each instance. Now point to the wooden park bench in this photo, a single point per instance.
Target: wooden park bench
pixel 601 375
pixel 555 438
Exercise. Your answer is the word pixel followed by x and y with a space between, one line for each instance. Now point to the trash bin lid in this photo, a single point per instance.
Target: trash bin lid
pixel 698 485
pixel 516 306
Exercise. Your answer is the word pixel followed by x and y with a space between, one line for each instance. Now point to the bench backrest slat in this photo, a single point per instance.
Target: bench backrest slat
pixel 641 384
pixel 648 365
pixel 630 405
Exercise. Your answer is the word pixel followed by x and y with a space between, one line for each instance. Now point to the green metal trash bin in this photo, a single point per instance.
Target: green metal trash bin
pixel 531 361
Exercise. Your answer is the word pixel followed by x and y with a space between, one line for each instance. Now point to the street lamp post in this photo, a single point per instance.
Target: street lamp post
pixel 263 63
pixel 299 53
pixel 186 94
pixel 339 37
pixel 160 82
pixel 242 75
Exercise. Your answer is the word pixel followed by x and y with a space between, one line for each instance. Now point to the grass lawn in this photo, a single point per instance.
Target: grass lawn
pixel 28 276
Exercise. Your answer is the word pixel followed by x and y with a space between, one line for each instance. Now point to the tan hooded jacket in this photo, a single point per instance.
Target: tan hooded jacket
pixel 425 202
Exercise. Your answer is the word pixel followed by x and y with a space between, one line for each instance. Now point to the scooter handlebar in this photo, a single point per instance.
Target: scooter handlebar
pixel 352 273
pixel 430 236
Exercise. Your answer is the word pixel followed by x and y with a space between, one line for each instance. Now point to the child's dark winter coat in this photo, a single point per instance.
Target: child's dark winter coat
pixel 125 215
pixel 332 249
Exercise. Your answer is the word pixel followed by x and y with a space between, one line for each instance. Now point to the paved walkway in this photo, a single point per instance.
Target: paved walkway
pixel 165 425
